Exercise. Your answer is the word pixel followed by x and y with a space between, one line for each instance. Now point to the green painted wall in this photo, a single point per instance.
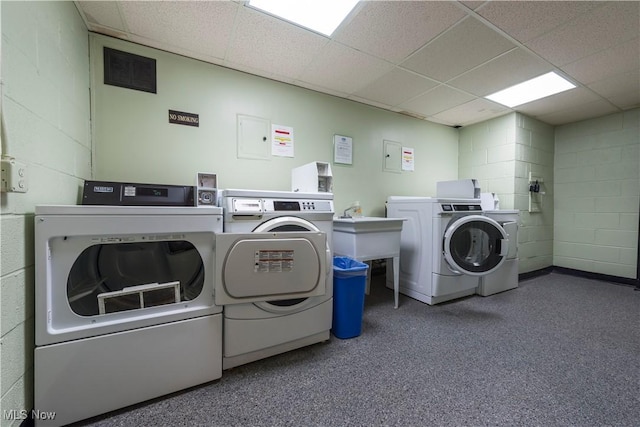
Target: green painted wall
pixel 597 195
pixel 45 126
pixel 133 141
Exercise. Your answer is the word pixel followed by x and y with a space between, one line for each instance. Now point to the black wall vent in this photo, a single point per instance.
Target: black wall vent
pixel 128 70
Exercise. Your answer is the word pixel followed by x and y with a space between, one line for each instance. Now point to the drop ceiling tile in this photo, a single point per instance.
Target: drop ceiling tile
pixel 624 88
pixel 320 89
pixel 471 112
pixel 434 119
pixel 618 59
pixel 578 113
pixel 626 100
pixel 473 5
pixel 436 100
pixel 201 27
pixel 264 42
pixel 463 47
pixel 558 102
pixel 174 49
pixel 526 20
pixel 609 25
pixel 102 13
pixel 392 30
pixel 343 69
pixel 601 50
pixel 502 72
pixel 395 87
pixel 258 72
pixel 370 102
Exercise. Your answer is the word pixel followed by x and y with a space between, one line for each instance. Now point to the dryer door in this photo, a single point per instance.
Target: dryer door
pixel 475 245
pixel 272 263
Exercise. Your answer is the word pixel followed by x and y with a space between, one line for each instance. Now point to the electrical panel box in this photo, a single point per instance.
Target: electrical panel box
pixel 314 177
pixel 253 137
pixel 392 156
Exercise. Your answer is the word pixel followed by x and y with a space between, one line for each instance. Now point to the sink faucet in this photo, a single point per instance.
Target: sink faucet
pixel 345 214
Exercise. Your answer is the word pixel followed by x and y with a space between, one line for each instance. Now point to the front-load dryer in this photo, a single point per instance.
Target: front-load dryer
pixel 505 277
pixel 124 307
pixel 274 272
pixel 446 245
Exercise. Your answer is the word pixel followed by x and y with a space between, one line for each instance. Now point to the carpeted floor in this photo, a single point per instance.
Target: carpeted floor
pixel 557 351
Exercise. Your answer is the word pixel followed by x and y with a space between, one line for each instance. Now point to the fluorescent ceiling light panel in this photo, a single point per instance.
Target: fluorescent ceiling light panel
pixel 536 88
pixel 322 16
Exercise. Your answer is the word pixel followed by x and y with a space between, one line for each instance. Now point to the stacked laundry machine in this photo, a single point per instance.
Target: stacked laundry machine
pixel 124 307
pixel 449 247
pixel 274 272
pixel 142 291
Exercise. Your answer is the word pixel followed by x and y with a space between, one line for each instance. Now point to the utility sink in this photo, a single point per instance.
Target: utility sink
pixel 367 237
pixel 367 224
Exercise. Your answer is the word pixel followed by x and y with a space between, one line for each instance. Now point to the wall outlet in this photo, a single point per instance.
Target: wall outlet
pixel 14 176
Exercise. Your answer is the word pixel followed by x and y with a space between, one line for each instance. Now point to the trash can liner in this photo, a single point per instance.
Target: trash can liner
pixel 347 267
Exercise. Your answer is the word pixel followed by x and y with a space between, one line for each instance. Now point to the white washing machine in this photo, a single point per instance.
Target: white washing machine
pixel 446 245
pixel 505 277
pixel 124 307
pixel 274 272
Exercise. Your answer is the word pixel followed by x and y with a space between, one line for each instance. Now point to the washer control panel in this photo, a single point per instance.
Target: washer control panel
pixel 254 206
pixel 275 205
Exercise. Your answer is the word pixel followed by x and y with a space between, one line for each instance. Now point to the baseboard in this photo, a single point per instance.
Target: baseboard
pixel 580 273
pixel 596 276
pixel 535 273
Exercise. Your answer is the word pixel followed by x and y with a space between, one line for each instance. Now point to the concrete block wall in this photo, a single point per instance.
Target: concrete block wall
pixel 487 153
pixel 501 153
pixel 597 188
pixel 45 125
pixel 534 146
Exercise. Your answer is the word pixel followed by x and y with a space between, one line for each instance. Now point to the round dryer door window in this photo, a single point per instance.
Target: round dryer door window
pixel 475 245
pixel 109 278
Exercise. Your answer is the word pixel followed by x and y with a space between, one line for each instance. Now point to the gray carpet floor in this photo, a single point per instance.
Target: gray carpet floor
pixel 556 351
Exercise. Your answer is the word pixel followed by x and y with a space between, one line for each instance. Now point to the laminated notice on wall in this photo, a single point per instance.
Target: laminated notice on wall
pixel 281 141
pixel 273 261
pixel 408 159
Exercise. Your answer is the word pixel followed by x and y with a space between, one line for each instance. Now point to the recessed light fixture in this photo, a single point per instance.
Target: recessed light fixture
pixel 536 88
pixel 322 16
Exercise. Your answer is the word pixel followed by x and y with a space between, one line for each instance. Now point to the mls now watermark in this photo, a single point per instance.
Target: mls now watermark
pixel 23 414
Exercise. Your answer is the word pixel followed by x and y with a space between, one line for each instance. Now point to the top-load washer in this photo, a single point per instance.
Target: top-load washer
pixel 505 277
pixel 445 246
pixel 274 270
pixel 124 307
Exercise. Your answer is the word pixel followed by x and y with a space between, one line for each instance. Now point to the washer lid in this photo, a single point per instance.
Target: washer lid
pixel 475 245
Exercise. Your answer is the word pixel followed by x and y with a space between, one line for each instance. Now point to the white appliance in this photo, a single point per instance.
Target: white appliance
pixel 489 201
pixel 312 177
pixel 274 272
pixel 458 189
pixel 124 307
pixel 505 277
pixel 445 246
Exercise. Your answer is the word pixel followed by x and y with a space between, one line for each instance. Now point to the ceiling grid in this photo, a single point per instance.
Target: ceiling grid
pixel 429 59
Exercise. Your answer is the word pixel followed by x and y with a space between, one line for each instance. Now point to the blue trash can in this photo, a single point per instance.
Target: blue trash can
pixel 349 282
